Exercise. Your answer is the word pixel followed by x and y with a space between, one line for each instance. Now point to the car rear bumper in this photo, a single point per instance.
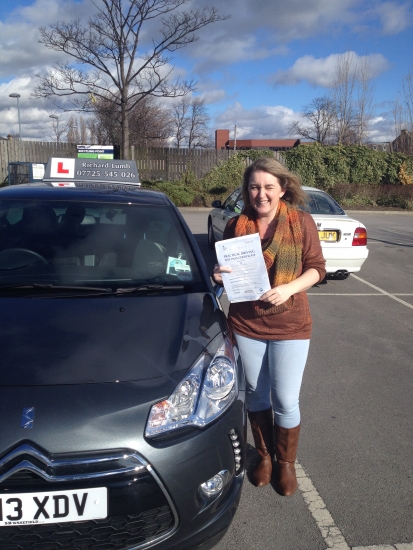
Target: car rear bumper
pixel 347 259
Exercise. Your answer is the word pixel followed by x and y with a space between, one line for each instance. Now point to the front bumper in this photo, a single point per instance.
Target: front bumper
pixel 154 499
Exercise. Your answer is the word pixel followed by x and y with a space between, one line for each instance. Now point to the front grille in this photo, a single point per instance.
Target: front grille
pixel 140 511
pixel 116 533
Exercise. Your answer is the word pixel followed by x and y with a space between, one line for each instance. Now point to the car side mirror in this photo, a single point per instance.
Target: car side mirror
pixel 217 204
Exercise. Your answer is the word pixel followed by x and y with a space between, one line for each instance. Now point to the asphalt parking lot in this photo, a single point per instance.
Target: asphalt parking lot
pixel 355 458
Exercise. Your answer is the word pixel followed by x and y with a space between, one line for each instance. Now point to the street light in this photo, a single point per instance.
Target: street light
pixel 56 118
pixel 18 113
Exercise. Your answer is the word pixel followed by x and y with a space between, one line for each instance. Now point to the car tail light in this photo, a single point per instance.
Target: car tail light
pixel 360 237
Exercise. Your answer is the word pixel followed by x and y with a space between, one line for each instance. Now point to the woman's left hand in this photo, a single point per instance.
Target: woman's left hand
pixel 277 295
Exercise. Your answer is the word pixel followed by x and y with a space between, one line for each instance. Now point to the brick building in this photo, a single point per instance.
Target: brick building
pixel 222 141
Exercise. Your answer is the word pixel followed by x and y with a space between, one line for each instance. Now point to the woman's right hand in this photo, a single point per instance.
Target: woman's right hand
pixel 216 274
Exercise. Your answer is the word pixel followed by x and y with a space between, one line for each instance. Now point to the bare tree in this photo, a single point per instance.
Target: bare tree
pixel 407 98
pixel 190 121
pixel 149 123
pixel 396 110
pixel 364 103
pixel 320 119
pixel 342 96
pixel 72 135
pixel 198 120
pixel 121 69
pixel 179 116
pixel 402 113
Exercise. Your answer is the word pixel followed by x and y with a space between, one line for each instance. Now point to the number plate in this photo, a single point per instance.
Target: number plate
pixel 53 506
pixel 330 236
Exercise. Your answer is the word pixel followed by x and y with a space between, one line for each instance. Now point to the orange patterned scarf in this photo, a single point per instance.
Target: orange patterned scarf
pixel 284 249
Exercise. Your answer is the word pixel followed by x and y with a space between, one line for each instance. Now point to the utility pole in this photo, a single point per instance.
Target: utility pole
pixel 235 137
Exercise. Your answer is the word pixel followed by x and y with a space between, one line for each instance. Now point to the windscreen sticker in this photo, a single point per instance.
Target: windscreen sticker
pixel 179 267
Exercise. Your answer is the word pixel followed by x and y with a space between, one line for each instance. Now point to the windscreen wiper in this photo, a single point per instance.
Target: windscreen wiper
pixel 49 286
pixel 148 287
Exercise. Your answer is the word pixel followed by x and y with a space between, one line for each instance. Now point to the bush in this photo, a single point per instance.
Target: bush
pixel 179 195
pixel 227 176
pixel 354 176
pixel 384 195
pixel 325 167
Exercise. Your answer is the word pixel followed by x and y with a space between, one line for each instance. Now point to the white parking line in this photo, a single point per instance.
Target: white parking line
pixel 331 534
pixel 392 296
pixel 403 546
pixel 346 294
pixel 353 294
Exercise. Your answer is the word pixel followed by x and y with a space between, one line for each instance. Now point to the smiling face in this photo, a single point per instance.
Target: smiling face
pixel 264 193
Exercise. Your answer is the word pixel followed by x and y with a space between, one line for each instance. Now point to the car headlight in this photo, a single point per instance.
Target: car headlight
pixel 205 393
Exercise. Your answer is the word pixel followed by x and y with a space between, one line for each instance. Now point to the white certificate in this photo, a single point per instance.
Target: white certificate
pixel 248 280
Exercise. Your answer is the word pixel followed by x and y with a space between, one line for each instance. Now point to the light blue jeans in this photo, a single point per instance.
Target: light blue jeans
pixel 274 372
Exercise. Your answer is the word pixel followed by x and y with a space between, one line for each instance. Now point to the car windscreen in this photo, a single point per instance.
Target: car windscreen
pixel 93 244
pixel 321 203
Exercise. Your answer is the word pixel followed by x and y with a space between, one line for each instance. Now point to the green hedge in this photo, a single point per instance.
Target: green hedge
pixel 325 167
pixel 217 184
pixel 355 176
pixel 178 194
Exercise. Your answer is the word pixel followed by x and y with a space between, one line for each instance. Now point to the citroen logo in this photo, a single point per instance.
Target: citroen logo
pixel 27 418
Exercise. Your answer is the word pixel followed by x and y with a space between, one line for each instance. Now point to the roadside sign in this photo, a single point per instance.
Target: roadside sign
pixel 95 151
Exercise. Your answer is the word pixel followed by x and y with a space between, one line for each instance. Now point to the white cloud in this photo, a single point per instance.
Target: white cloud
pixel 213 96
pixel 320 72
pixel 394 17
pixel 20 50
pixel 263 122
pixel 263 29
pixel 256 30
pixel 273 122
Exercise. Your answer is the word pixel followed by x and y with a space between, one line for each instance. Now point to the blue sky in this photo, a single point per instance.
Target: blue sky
pixel 256 70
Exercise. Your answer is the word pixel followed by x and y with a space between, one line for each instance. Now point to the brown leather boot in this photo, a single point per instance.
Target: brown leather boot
pixel 286 443
pixel 262 430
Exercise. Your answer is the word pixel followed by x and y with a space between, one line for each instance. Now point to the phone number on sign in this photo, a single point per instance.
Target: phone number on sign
pixel 98 173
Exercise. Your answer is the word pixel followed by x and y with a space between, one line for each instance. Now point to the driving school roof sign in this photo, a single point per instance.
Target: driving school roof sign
pixel 66 171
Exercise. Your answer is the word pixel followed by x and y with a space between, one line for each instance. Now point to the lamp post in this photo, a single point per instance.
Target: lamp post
pixel 18 113
pixel 56 118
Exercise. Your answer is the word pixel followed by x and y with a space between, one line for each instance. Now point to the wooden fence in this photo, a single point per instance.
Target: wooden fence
pixel 154 163
pixel 168 164
pixel 31 151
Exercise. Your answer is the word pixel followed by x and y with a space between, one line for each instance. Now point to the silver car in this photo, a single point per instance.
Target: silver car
pixel 343 239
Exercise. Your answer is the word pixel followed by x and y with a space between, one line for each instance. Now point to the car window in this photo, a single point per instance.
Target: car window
pixel 321 203
pixel 95 244
pixel 239 206
pixel 231 201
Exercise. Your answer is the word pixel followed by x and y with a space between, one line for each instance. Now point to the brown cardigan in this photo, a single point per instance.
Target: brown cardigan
pixel 296 323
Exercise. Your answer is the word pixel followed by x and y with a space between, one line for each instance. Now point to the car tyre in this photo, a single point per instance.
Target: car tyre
pixel 211 236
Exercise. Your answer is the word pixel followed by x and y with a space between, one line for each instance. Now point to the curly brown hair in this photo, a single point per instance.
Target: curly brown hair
pixel 290 183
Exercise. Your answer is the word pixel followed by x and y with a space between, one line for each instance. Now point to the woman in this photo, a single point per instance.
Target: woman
pixel 273 333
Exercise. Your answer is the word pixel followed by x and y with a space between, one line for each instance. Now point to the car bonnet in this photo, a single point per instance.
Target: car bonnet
pixel 50 341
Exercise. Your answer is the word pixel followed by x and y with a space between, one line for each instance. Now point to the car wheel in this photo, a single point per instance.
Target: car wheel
pixel 211 236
